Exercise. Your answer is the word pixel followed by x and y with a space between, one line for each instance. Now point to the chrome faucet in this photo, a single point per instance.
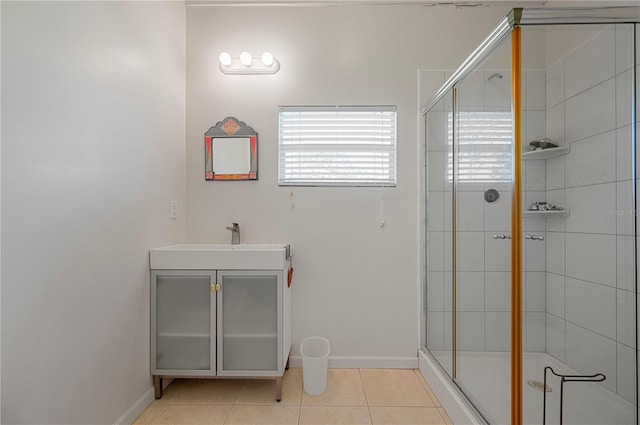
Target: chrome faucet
pixel 235 233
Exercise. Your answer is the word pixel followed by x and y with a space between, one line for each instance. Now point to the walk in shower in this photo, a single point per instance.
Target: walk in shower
pixel 530 241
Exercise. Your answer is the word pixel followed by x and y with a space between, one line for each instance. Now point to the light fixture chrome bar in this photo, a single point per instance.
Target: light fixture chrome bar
pixel 256 68
pixel 473 60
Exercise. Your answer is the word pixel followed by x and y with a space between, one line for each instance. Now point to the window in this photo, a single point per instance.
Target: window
pixel 484 146
pixel 337 146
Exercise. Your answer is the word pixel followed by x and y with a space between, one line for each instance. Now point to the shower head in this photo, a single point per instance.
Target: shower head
pixel 494 75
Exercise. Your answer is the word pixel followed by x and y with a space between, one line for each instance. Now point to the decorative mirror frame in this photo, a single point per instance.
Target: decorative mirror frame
pixel 231 127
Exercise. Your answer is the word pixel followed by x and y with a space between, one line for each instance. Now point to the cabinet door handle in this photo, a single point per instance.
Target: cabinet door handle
pixel 218 287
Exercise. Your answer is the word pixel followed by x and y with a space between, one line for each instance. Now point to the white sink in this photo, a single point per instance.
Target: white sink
pixel 219 257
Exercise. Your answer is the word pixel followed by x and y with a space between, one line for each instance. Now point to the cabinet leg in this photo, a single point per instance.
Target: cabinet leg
pixel 157 385
pixel 279 388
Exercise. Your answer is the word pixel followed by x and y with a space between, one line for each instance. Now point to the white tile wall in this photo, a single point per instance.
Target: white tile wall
pixel 497 216
pixel 437 131
pixel 554 88
pixel 435 291
pixel 436 171
pixel 555 294
pixel 435 211
pixel 592 160
pixel 591 112
pixel 470 251
pixel 535 333
pixel 555 173
pixel 535 253
pixel 435 330
pixel 435 245
pixel 470 210
pixel 470 291
pixel 471 92
pixel 556 337
pixel 535 291
pixel 589 208
pixel 591 257
pixel 497 291
pixel 597 56
pixel 626 312
pixel 535 92
pixel 497 331
pixel 590 353
pixel 592 306
pixel 534 127
pixel 497 254
pixel 471 331
pixel 624 154
pixel 535 175
pixel 625 260
pixel 497 91
pixel 556 197
pixel 555 252
pixel 625 211
pixel 626 362
pixel 624 98
pixel 624 48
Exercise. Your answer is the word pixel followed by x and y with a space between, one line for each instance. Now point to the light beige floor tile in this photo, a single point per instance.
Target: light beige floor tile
pixel 242 414
pixel 344 388
pixel 444 415
pixel 426 386
pixel 263 391
pixel 149 414
pixel 192 414
pixel 406 416
pixel 213 391
pixel 394 387
pixel 334 415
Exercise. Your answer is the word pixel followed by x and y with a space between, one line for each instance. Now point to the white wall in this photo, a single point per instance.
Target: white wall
pixel 93 151
pixel 355 282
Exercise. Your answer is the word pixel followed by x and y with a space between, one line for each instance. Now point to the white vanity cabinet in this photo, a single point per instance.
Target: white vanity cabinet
pixel 220 323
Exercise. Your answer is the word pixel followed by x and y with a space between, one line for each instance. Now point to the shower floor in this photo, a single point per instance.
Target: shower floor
pixel 484 378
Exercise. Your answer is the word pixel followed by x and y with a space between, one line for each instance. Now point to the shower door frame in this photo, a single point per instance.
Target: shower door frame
pixel 512 25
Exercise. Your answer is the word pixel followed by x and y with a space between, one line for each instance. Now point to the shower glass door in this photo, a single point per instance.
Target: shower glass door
pixel 482 175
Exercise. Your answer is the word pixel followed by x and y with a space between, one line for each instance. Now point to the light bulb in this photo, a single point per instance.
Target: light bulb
pixel 225 58
pixel 267 59
pixel 245 58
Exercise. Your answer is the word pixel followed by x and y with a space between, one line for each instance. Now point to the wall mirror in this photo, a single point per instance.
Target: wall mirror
pixel 231 151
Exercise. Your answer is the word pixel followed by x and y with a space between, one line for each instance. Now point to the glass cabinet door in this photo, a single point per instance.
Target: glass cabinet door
pixel 248 322
pixel 182 321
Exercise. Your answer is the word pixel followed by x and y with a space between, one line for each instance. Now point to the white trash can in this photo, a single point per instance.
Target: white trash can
pixel 315 361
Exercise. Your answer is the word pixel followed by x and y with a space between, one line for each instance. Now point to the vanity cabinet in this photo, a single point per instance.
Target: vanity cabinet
pixel 220 323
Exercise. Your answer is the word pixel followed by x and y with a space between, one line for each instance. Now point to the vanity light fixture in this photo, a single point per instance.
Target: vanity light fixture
pixel 247 65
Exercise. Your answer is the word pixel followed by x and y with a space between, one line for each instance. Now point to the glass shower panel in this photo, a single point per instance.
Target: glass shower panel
pixel 483 184
pixel 579 221
pixel 439 200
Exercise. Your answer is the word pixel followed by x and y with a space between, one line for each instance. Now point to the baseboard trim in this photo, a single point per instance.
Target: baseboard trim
pixel 352 362
pixel 448 394
pixel 137 408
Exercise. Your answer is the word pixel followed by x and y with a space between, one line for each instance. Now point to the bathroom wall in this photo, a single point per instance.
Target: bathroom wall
pixel 355 282
pixel 92 153
pixel 590 255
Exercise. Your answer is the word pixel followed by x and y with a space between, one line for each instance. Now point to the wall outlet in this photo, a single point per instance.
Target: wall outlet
pixel 173 214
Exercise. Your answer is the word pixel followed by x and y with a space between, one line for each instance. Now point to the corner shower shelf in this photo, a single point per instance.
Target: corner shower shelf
pixel 546 153
pixel 546 214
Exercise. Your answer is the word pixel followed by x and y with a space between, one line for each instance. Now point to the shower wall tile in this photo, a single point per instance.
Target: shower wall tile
pixel 597 56
pixel 591 257
pixel 435 246
pixel 435 211
pixel 470 210
pixel 624 98
pixel 535 290
pixel 624 47
pixel 556 197
pixel 471 331
pixel 626 362
pixel 437 131
pixel 591 112
pixel 448 252
pixel 471 92
pixel 497 254
pixel 556 261
pixel 436 171
pixel 535 90
pixel 626 312
pixel 471 251
pixel 626 262
pixel 535 254
pixel 497 291
pixel 592 160
pixel 555 173
pixel 535 335
pixel 591 306
pixel 556 337
pixel 497 216
pixel 555 294
pixel 588 208
pixel 624 211
pixel 624 154
pixel 435 330
pixel 534 127
pixel 470 291
pixel 497 331
pixel 535 174
pixel 497 91
pixel 555 126
pixel 590 353
pixel 555 84
pixel 435 291
pixel 535 225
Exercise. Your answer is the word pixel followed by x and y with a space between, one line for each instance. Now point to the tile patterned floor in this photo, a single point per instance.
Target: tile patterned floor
pixel 353 397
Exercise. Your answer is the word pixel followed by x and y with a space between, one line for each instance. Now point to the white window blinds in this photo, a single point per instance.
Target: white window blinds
pixel 337 145
pixel 484 146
